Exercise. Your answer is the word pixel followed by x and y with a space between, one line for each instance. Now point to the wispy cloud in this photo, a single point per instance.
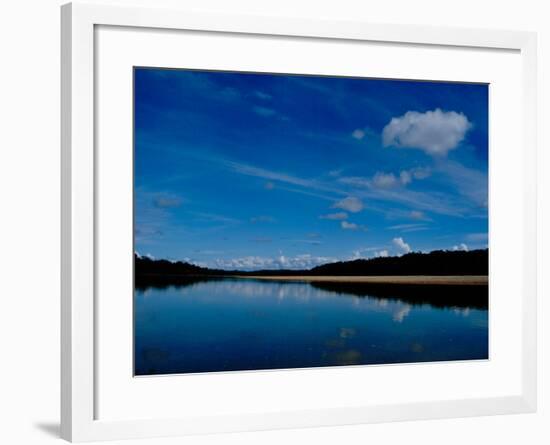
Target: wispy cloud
pixel 167 201
pixel 263 95
pixel 215 218
pixel 262 239
pixel 387 180
pixel 477 237
pixel 262 219
pixel 418 215
pixel 436 202
pixel 408 227
pixel 258 172
pixel 264 111
pixel 335 216
pixel 470 183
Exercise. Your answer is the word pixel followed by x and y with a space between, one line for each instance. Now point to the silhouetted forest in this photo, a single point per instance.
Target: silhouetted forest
pixel 438 262
pixel 163 273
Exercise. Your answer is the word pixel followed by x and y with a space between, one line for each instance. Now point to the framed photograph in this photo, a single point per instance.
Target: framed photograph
pixel 280 222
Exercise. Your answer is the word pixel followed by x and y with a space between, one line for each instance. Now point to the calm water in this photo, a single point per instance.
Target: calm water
pixel 236 324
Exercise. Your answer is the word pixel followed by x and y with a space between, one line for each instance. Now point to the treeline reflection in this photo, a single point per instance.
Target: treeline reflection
pixel 436 295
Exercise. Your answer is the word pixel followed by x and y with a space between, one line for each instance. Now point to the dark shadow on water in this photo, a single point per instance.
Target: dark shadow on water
pixel 436 295
pixel 143 282
pixel 50 428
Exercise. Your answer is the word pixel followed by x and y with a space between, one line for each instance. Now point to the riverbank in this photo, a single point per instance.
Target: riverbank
pixel 465 280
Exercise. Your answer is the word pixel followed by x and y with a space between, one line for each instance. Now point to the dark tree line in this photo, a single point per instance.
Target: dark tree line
pixel 438 262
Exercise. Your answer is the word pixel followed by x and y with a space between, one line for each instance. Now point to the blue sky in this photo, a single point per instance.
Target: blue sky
pixel 250 171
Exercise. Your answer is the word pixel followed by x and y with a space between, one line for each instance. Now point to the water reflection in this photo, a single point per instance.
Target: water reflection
pixel 205 325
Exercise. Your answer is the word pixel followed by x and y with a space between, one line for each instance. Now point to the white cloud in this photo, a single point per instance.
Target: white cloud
pixel 435 132
pixel 461 246
pixel 436 201
pixel 401 245
pixel 382 254
pixel 352 226
pixel 358 134
pixel 303 261
pixel 408 227
pixel 278 177
pixel 336 216
pixel 384 180
pixel 349 226
pixel 350 204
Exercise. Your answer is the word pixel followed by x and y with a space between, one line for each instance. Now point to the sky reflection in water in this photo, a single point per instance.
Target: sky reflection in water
pixel 235 324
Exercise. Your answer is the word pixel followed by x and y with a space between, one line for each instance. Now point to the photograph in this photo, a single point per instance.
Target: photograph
pixel 290 221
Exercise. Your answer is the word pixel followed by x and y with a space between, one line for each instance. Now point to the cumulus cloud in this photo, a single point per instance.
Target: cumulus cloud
pixel 460 247
pixel 382 254
pixel 401 245
pixel 335 216
pixel 350 204
pixel 358 134
pixel 435 132
pixel 303 261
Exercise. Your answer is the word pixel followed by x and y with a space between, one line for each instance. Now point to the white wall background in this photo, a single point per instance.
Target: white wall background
pixel 29 219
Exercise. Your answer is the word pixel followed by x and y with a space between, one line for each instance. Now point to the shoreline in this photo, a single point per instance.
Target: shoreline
pixel 458 280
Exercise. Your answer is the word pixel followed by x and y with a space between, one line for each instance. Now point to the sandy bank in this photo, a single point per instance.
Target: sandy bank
pixel 416 279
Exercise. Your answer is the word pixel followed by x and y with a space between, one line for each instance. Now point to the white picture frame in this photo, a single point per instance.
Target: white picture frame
pixel 79 420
